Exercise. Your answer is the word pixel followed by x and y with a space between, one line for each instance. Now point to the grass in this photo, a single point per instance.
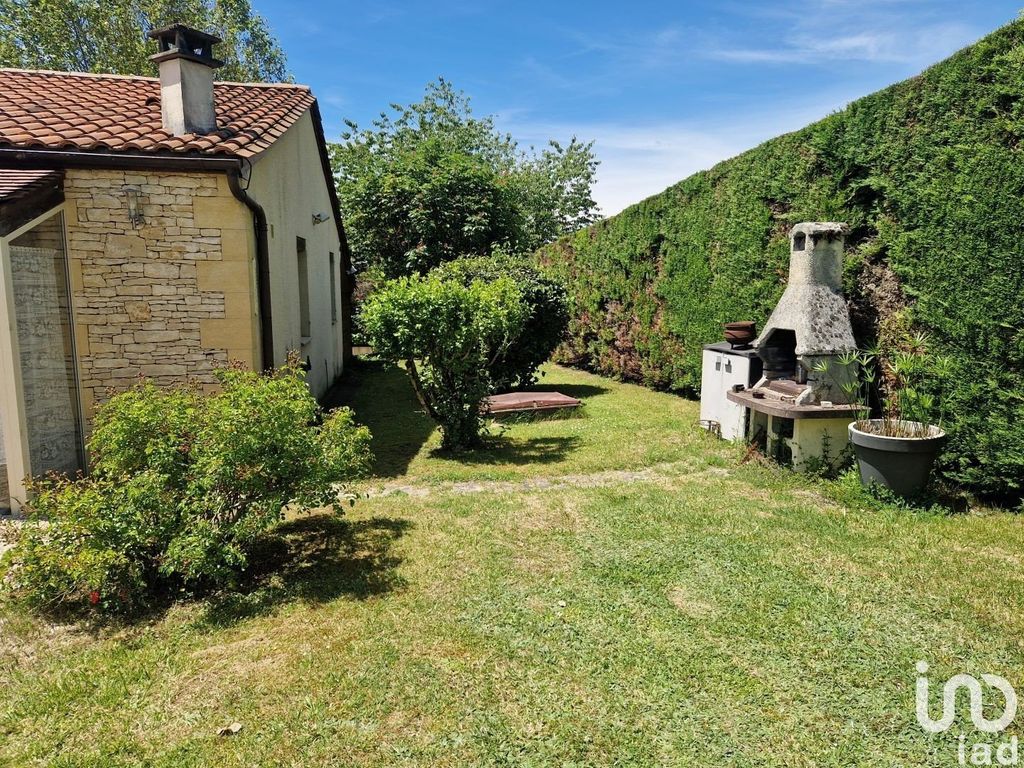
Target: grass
pixel 636 597
pixel 619 427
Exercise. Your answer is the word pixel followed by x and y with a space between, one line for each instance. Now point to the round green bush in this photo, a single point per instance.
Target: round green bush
pixel 515 363
pixel 181 486
pixel 445 332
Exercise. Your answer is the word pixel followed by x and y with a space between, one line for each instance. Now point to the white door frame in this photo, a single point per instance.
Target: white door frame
pixel 12 393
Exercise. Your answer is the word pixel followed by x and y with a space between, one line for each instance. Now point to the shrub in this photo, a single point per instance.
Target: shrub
pixel 515 365
pixel 927 173
pixel 445 333
pixel 181 485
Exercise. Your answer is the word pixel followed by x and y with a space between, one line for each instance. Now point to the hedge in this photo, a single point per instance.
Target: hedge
pixel 929 174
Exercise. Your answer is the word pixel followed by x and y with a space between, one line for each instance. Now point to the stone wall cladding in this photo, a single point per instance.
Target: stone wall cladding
pixel 141 304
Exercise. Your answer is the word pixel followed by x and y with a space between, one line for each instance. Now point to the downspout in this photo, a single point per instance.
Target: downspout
pixel 262 265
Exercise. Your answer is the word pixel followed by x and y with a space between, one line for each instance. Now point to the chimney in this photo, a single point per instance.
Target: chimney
pixel 186 79
pixel 810 325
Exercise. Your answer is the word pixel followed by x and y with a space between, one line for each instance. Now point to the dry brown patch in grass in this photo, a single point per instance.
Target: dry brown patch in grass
pixel 830 569
pixel 36 638
pixel 26 639
pixel 531 521
pixel 445 651
pixel 416 726
pixel 265 653
pixel 690 603
pixel 543 560
pixel 978 554
pixel 818 501
pixel 545 512
pixel 219 669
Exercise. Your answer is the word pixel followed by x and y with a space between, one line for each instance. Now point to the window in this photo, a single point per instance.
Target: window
pixel 305 329
pixel 334 294
pixel 799 241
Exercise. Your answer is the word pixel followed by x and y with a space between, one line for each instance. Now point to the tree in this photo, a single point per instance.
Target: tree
pixel 515 364
pixel 431 182
pixel 111 36
pixel 446 334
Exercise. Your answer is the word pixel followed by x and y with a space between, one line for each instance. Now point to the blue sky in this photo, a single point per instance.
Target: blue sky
pixel 664 89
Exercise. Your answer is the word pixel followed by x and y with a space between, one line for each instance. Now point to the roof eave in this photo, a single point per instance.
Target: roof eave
pixel 325 162
pixel 34 200
pixel 20 157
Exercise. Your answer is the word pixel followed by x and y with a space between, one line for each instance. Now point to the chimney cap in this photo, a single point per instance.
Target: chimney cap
pixel 180 41
pixel 816 229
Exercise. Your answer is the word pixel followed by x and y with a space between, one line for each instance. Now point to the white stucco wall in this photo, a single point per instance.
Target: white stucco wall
pixel 288 181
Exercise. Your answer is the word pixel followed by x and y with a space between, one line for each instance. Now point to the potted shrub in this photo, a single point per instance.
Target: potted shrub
pixel 898 449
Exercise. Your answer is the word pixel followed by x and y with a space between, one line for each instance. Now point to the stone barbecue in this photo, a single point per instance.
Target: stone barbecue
pixel 810 330
pixel 798 411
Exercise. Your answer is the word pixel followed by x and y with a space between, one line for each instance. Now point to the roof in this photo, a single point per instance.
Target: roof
pixel 26 193
pixel 116 113
pixel 15 184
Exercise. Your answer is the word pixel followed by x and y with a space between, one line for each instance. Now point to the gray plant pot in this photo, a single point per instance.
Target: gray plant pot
pixel 901 464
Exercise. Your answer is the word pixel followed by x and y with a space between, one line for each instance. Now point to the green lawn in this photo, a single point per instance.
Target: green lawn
pixel 614 588
pixel 620 427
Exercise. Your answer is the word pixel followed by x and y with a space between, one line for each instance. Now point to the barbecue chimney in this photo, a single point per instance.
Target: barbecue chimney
pixel 810 326
pixel 186 79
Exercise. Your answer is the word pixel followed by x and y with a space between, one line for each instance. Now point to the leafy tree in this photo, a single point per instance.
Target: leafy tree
pixel 446 334
pixel 515 363
pixel 111 36
pixel 431 182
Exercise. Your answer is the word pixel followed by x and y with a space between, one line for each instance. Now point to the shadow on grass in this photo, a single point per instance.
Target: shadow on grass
pixel 505 450
pixel 383 400
pixel 315 559
pixel 579 391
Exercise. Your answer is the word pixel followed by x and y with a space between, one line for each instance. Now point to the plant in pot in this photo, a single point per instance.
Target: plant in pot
pixel 897 450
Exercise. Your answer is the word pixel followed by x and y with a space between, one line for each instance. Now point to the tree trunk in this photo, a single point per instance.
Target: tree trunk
pixel 417 385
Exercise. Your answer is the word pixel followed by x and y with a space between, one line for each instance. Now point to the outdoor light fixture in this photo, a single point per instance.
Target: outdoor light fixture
pixel 320 218
pixel 134 195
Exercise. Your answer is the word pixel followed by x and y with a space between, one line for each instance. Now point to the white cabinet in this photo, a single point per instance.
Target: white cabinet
pixel 721 369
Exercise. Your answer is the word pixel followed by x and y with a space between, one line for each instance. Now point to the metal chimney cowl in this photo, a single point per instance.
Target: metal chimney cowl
pixel 186 66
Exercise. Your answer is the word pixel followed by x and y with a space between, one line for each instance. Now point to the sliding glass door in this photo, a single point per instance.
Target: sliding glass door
pixel 42 347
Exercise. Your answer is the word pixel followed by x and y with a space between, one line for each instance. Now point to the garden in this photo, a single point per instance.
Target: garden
pixel 400 576
pixel 614 587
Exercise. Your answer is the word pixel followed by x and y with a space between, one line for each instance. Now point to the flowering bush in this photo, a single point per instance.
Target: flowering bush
pixel 181 485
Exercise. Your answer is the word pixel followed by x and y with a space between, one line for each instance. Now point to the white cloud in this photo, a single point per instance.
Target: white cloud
pixel 642 159
pixel 639 162
pixel 921 45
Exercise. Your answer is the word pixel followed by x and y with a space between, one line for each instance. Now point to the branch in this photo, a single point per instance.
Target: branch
pixel 417 385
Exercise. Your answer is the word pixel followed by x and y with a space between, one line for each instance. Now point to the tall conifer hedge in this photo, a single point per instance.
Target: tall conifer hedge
pixel 929 173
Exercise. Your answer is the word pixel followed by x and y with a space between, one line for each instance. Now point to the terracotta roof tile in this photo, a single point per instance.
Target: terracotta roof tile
pixel 61 110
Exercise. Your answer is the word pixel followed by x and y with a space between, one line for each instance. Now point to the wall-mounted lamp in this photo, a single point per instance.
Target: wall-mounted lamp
pixel 320 218
pixel 134 195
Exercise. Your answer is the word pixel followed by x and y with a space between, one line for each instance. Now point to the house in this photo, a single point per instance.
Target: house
pixel 157 227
